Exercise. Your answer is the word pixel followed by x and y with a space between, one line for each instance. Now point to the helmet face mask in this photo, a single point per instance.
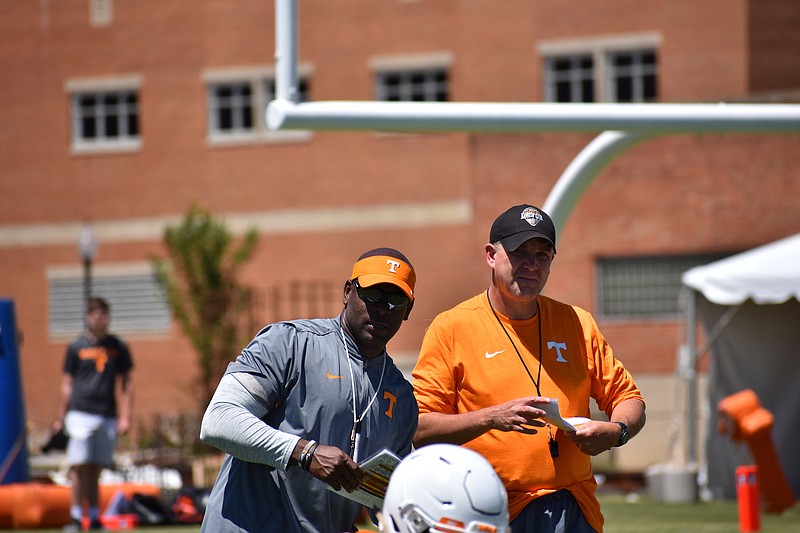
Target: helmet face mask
pixel 445 488
pixel 417 521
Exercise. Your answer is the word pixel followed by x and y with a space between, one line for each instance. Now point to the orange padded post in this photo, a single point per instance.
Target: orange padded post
pixel 747 498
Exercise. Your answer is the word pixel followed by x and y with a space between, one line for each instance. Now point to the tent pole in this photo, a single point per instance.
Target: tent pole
pixel 691 375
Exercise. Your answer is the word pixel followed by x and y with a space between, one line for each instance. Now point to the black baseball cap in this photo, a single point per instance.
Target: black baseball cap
pixel 522 223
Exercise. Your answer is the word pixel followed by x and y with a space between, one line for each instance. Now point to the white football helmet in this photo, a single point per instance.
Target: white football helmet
pixel 445 488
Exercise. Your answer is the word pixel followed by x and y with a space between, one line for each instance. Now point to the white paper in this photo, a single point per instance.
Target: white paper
pixel 377 471
pixel 553 416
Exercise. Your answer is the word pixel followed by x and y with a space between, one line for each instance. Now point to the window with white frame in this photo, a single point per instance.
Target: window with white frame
pixel 429 85
pixel 237 99
pixel 613 69
pixel 138 303
pixel 570 78
pixel 418 78
pixel 632 76
pixel 232 107
pixel 105 113
pixel 644 287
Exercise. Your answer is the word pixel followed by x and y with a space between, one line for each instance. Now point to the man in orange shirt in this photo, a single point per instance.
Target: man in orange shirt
pixel 489 365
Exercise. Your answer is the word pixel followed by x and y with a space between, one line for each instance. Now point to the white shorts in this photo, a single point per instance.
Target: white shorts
pixel 92 438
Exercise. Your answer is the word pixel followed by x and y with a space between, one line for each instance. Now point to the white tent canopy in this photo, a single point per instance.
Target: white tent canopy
pixel 749 306
pixel 769 274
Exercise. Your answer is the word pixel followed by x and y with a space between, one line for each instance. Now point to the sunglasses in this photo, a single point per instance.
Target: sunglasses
pixel 376 296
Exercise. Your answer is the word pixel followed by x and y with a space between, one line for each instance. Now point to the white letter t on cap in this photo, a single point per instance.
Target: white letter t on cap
pixel 392 266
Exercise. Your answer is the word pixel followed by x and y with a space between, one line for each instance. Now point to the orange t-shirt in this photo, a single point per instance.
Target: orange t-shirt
pixel 467 363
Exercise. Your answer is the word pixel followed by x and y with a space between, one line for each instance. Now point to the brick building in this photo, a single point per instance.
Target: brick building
pixel 124 113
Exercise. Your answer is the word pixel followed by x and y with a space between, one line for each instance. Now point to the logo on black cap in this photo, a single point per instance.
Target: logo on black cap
pixel 531 216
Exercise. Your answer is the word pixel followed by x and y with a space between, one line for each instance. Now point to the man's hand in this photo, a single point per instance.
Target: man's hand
pixel 521 415
pixel 518 415
pixel 595 437
pixel 336 468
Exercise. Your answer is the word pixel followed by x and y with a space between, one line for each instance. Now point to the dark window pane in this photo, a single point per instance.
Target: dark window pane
pixel 303 87
pixel 622 60
pixel 112 125
pixel 563 92
pixel 624 89
pixel 88 130
pixel 650 91
pixel 562 64
pixel 133 124
pixel 587 89
pixel 391 80
pixel 247 117
pixel 88 101
pixel 225 118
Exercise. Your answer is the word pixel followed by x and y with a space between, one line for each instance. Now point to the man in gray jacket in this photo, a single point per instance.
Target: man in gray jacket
pixel 307 400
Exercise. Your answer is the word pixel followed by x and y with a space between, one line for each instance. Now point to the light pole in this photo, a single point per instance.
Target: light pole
pixel 87 246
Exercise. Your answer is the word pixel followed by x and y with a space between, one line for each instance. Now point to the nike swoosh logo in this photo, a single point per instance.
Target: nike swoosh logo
pixel 490 355
pixel 331 376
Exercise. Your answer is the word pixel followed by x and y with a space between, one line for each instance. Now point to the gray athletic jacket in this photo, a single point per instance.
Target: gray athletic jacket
pixel 293 381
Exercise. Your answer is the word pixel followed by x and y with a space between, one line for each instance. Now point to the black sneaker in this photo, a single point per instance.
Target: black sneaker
pixel 96 526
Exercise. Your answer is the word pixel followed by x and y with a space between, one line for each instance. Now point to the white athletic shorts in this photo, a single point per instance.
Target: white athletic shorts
pixel 92 438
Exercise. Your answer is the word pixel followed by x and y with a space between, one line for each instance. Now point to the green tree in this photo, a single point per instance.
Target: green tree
pixel 200 279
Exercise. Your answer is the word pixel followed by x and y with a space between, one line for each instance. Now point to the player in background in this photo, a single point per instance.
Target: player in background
pixel 95 363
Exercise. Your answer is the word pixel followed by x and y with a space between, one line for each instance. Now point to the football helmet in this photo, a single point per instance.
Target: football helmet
pixel 445 488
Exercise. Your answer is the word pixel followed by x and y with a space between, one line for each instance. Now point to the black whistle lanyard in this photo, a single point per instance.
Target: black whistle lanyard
pixel 552 443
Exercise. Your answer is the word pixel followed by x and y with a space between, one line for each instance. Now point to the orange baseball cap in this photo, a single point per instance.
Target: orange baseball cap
pixel 385 269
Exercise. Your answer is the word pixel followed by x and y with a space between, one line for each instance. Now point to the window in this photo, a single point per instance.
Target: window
pixel 237 100
pixel 632 76
pixel 644 286
pixel 570 78
pixel 617 69
pixel 417 78
pixel 232 107
pixel 138 304
pixel 105 114
pixel 412 86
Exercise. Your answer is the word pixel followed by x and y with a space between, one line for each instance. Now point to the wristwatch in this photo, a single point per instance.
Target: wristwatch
pixel 623 435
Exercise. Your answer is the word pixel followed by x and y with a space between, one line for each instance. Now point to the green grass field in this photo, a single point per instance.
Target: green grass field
pixel 642 516
pixel 713 517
